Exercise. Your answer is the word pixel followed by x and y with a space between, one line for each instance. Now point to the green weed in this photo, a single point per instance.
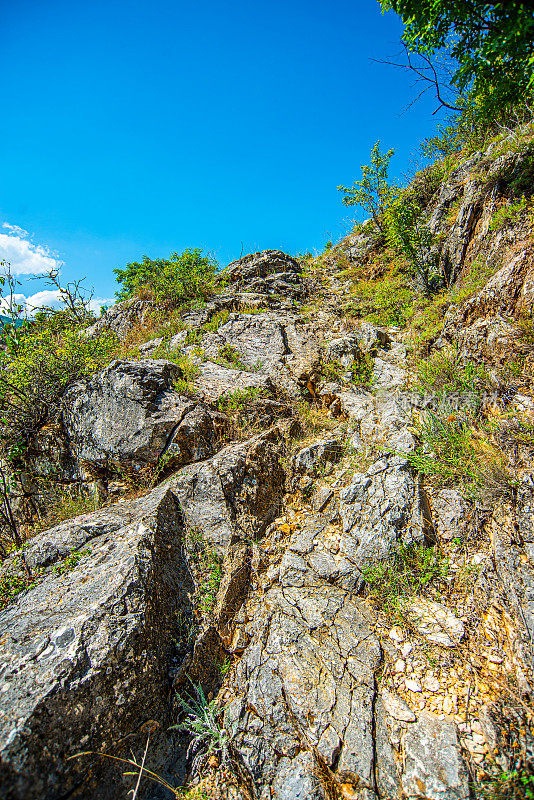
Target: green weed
pixel 443 371
pixel 236 401
pixel 207 567
pixel 410 570
pixel 452 451
pixel 506 214
pixel 70 561
pixel 201 724
pixel 230 357
pixel 12 584
pixel 516 784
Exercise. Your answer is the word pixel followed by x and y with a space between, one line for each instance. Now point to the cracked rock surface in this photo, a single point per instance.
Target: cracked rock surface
pixel 131 412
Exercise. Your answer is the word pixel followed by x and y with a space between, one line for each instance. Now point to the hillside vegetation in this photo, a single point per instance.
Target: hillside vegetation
pixel 268 531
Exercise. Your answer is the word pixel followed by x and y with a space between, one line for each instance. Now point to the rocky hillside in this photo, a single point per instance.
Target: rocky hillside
pixel 309 573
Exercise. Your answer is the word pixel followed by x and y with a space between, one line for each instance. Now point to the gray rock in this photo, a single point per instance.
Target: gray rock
pixel 130 412
pixel 249 272
pixel 435 622
pixel 295 779
pixel 380 509
pixel 370 338
pixel 386 424
pixel 387 763
pixel 514 563
pixel 387 376
pixel 317 457
pixel 450 514
pixel 215 381
pixel 309 671
pixel 240 487
pixel 433 764
pixel 343 350
pixel 85 658
pixel 87 655
pixel 121 318
pixel 277 345
pixel 396 707
pixel 58 542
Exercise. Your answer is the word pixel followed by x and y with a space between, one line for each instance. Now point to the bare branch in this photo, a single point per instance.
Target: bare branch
pixel 425 72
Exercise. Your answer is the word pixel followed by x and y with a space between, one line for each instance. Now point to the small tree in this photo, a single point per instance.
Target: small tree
pixel 407 233
pixel 373 191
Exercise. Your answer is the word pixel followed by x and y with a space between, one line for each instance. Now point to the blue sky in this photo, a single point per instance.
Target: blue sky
pixel 148 127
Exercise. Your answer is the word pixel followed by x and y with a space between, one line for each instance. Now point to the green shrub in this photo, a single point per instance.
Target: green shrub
pixel 201 724
pixel 172 281
pixel 216 321
pixel 236 401
pixel 361 370
pixel 373 191
pixel 62 508
pixel 37 368
pixel 189 370
pixel 407 233
pixel 506 214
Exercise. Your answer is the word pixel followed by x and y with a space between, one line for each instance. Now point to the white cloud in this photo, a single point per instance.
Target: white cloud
pixel 48 298
pixel 25 257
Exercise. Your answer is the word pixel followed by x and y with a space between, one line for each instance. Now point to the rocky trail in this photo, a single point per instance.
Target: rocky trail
pixel 253 565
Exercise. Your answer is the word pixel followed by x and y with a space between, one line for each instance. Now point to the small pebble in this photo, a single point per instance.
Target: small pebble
pixel 400 665
pixel 396 634
pixel 412 686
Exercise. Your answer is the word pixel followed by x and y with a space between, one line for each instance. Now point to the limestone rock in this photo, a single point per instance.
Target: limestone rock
pixel 270 272
pixel 130 412
pixel 433 764
pixel 309 669
pixel 435 622
pixel 240 487
pixel 277 345
pixel 85 658
pixel 450 514
pixel 215 381
pixel 379 509
pixel 396 707
pixel 316 457
pixel 121 318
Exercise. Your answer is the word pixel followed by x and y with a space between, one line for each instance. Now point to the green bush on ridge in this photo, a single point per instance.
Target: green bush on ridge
pixel 169 281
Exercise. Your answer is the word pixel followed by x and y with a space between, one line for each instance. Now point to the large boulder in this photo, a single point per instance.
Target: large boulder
pixel 87 655
pixel 308 676
pixel 270 272
pixel 433 764
pixel 279 346
pixel 130 412
pixel 215 381
pixel 305 685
